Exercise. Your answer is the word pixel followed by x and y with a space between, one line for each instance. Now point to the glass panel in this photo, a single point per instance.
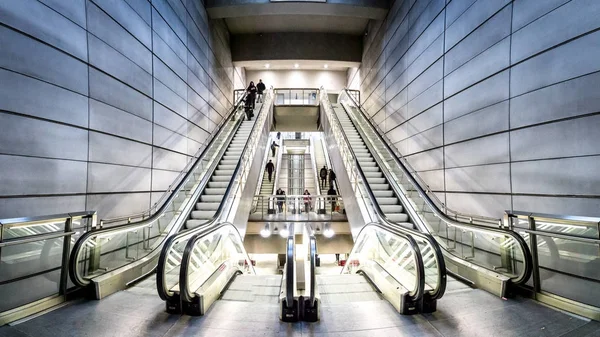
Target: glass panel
pixel 220 252
pixel 376 249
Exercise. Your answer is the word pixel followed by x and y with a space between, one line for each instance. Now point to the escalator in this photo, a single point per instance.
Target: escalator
pixel 491 258
pixel 224 199
pixel 213 194
pixel 112 258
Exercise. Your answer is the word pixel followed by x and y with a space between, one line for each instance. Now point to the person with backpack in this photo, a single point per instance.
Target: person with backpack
pixel 252 94
pixel 323 176
pixel 270 168
pixel 331 178
pixel 307 201
pixel 274 147
pixel 260 88
pixel 248 108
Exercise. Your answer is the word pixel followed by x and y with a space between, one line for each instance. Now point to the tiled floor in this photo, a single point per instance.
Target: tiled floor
pixel 138 311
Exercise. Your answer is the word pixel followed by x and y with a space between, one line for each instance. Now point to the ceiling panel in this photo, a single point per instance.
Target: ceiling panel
pixel 297 23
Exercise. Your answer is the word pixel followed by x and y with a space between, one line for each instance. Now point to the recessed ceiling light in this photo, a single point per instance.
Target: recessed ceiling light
pixel 267 66
pixel 326 66
pixel 296 65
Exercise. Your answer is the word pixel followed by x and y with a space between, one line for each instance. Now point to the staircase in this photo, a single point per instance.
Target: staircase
pixel 385 196
pixel 213 194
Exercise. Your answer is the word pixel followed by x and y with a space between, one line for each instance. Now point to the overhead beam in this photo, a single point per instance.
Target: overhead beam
pixel 367 9
pixel 296 46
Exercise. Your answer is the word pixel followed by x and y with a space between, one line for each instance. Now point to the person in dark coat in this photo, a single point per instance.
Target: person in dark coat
pixel 274 147
pixel 280 199
pixel 270 168
pixel 331 178
pixel 252 94
pixel 260 88
pixel 323 176
pixel 278 135
pixel 332 193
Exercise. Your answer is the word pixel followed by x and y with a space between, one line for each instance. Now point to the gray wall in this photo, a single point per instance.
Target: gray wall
pixel 496 102
pixel 102 102
pixel 296 46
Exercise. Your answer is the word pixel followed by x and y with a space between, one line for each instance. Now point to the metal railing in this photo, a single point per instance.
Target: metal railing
pixel 171 188
pixel 299 96
pixel 34 254
pixel 500 250
pixel 565 252
pixel 170 260
pixel 354 99
pixel 298 208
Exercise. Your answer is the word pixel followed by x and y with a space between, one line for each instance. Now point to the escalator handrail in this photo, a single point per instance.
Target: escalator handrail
pixel 442 274
pixel 528 264
pixel 484 219
pixel 290 261
pixel 313 267
pixel 81 241
pixel 193 234
pixel 181 174
pixel 184 290
pixel 420 267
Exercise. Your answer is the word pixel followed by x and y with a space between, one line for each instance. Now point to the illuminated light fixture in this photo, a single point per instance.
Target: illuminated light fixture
pixel 265 232
pixel 284 232
pixel 328 232
pixel 267 66
pixel 296 65
pixel 326 66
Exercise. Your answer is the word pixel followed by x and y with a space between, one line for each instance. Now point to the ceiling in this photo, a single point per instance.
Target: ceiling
pixel 302 65
pixel 297 23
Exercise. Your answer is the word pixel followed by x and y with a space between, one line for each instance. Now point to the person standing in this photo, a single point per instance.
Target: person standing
pixel 280 199
pixel 331 178
pixel 307 201
pixel 274 147
pixel 323 176
pixel 252 94
pixel 332 197
pixel 270 168
pixel 278 135
pixel 260 88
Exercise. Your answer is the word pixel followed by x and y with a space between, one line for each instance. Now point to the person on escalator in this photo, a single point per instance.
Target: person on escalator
pixel 248 108
pixel 333 199
pixel 331 178
pixel 274 147
pixel 270 168
pixel 260 88
pixel 323 176
pixel 252 94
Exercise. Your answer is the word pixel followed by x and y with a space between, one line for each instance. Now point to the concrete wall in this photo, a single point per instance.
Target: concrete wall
pixel 102 102
pixel 496 102
pixel 296 46
pixel 333 81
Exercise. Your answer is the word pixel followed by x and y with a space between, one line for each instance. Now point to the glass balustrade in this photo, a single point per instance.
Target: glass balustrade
pixel 298 208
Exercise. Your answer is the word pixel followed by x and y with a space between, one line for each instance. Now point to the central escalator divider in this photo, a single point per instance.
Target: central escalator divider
pixel 213 194
pixel 386 198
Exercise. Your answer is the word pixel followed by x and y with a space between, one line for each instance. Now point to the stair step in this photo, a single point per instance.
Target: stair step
pixel 221 178
pixel 384 193
pixel 387 200
pixel 207 206
pixel 218 184
pixel 211 198
pixel 380 187
pixel 389 209
pixel 203 215
pixel 222 172
pixel 218 191
pixel 190 224
pixel 372 180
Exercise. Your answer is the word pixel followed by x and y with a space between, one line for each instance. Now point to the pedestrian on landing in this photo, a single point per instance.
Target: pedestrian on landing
pixel 260 88
pixel 332 197
pixel 251 90
pixel 307 201
pixel 274 147
pixel 278 135
pixel 280 199
pixel 270 168
pixel 331 178
pixel 323 176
